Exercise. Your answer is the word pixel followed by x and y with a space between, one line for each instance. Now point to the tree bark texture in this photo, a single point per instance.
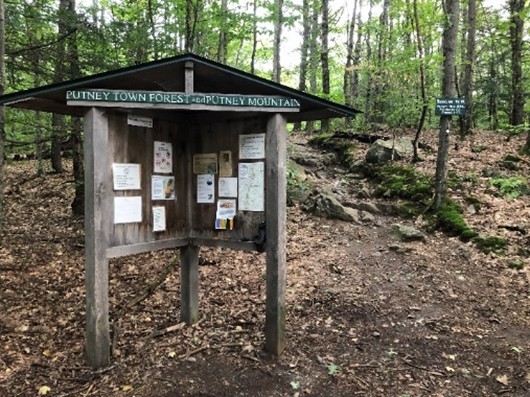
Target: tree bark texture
pixel 516 41
pixel 278 21
pixel 324 57
pixel 449 43
pixel 304 49
pixel 467 81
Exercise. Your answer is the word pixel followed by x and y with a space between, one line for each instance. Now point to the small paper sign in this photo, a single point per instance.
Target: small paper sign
pixel 163 157
pixel 139 121
pixel 126 176
pixel 127 209
pixel 162 187
pixel 206 188
pixel 159 219
pixel 252 146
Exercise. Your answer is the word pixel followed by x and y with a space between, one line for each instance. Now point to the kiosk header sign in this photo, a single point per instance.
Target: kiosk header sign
pixel 450 107
pixel 113 98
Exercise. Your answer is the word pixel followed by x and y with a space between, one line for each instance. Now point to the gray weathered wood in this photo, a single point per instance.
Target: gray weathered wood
pixel 189 284
pixel 188 77
pixel 275 218
pixel 194 106
pixel 98 215
pixel 248 246
pixel 133 249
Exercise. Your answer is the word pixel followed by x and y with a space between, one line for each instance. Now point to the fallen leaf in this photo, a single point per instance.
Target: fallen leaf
pixel 502 379
pixel 171 354
pixel 449 369
pixel 127 388
pixel 43 390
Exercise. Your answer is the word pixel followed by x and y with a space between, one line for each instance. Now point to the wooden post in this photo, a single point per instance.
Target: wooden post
pixel 189 284
pixel 275 218
pixel 98 211
pixel 188 77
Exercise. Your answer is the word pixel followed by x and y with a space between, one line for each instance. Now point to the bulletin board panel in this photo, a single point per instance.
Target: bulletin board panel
pixel 135 145
pixel 223 138
pixel 186 217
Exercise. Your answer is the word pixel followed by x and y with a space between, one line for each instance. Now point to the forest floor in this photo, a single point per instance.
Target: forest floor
pixel 436 318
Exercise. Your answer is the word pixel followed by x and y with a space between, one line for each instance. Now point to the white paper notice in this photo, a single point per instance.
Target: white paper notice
pixel 159 219
pixel 226 208
pixel 252 146
pixel 163 157
pixel 162 187
pixel 227 187
pixel 127 209
pixel 126 176
pixel 252 186
pixel 206 188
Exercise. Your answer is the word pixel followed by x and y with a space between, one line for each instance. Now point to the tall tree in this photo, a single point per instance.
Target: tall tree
pixel 278 22
pixel 348 68
pixel 314 51
pixel 254 36
pixel 466 122
pixel 2 115
pixel 324 57
pixel 449 43
pixel 516 41
pixel 423 90
pixel 304 49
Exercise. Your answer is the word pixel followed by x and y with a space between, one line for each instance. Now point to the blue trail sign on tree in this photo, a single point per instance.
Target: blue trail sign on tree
pixel 450 107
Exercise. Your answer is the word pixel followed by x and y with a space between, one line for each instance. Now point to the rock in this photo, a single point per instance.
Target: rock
pixel 408 233
pixel 367 217
pixel 325 205
pixel 381 150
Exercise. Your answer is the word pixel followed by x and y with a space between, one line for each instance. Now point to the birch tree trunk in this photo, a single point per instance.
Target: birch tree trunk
pixel 449 42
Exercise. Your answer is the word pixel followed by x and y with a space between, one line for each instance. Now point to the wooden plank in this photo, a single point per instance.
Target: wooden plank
pixel 189 284
pixel 248 246
pixel 133 249
pixel 98 214
pixel 188 77
pixel 275 218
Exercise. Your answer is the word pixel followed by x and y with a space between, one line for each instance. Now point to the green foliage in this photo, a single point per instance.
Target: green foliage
pixel 510 188
pixel 491 244
pixel 449 219
pixel 297 188
pixel 404 182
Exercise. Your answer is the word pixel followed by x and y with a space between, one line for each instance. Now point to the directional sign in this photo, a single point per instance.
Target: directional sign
pixel 450 107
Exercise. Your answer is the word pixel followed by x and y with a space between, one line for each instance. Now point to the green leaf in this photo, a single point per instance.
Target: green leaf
pixel 295 384
pixel 333 369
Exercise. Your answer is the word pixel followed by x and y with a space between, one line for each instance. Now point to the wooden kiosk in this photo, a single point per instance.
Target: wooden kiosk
pixel 181 153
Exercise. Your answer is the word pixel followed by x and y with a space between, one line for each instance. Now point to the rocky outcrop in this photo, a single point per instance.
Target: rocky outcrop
pixel 382 151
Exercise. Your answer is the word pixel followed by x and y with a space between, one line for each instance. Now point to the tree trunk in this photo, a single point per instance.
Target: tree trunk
pixel 313 57
pixel 357 55
pixel 58 123
pixel 223 40
pixel 150 12
pixel 348 69
pixel 278 22
pixel 421 56
pixel 2 115
pixel 254 37
pixel 369 80
pixel 467 83
pixel 78 204
pixel 306 23
pixel 324 58
pixel 516 41
pixel 449 42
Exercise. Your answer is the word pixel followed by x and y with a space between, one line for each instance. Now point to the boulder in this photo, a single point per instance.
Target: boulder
pixel 325 205
pixel 408 233
pixel 382 151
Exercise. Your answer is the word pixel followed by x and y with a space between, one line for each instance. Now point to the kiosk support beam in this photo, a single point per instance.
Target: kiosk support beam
pixel 189 284
pixel 98 211
pixel 275 199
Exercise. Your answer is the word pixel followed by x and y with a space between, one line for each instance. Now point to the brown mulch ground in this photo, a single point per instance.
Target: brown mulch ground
pixel 439 319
